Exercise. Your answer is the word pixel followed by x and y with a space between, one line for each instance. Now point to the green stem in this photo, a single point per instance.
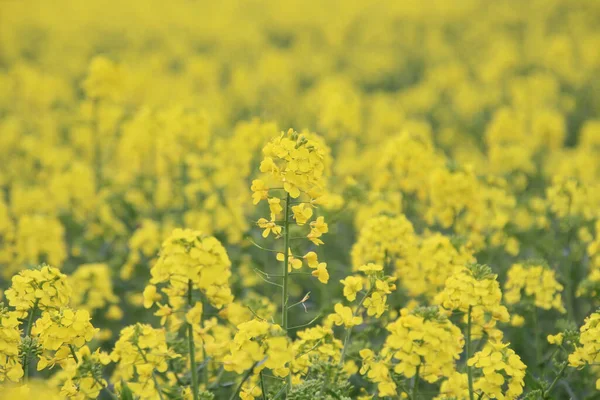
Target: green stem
pixel 156 384
pixel 262 386
pixel 469 370
pixel 192 348
pixel 244 379
pixel 536 333
pixel 204 356
pixel 555 381
pixel 346 342
pixel 349 330
pixel 73 353
pixel 25 361
pixel 284 289
pixel 415 388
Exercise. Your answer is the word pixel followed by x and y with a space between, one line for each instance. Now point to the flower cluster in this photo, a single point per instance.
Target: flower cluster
pixel 140 352
pixel 296 162
pixel 475 290
pixel 586 352
pixel 258 344
pixel 83 378
pixel 314 344
pixel 377 370
pixel 10 339
pixel 424 268
pixel 43 288
pixel 449 133
pixel 426 341
pixel 189 256
pixel 502 370
pixel 536 282
pixel 64 327
pixel 382 240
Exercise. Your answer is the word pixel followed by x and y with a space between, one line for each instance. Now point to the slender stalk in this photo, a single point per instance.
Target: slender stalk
pixel 284 289
pixel 349 330
pixel 204 356
pixel 244 379
pixel 536 333
pixel 156 384
pixel 262 386
pixel 469 370
pixel 73 353
pixel 25 361
pixel 192 348
pixel 346 342
pixel 415 388
pixel 555 381
pixel 30 319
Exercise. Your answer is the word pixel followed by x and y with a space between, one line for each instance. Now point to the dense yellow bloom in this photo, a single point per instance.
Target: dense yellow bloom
pixel 65 327
pixel 295 162
pixel 474 287
pixel 447 130
pixel 455 387
pixel 425 270
pixel 536 282
pixel 587 350
pixel 45 288
pixel 503 372
pixel 10 340
pixel 189 255
pixel 255 341
pixel 568 197
pixel 382 239
pixel 424 340
pixel 139 351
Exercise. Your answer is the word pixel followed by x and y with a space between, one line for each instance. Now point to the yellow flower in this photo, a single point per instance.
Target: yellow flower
pixel 293 263
pixel 275 207
pixel 311 259
pixel 375 304
pixel 370 268
pixel 352 285
pixel 268 226
pixel 556 339
pixel 302 213
pixel 260 191
pixel 150 296
pixel 321 273
pixel 345 316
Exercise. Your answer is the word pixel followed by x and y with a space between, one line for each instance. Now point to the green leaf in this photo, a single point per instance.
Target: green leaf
pixel 126 393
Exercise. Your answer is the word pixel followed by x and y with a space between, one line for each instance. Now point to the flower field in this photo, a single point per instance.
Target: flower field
pixel 299 199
